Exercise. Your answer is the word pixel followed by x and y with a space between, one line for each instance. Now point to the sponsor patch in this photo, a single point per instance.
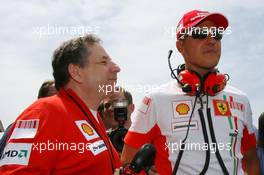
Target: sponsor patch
pixel 222 108
pixel 87 129
pixel 145 105
pixel 16 154
pixel 236 105
pixel 183 126
pixel 97 147
pixel 88 132
pixel 182 108
pixel 233 133
pixel 25 129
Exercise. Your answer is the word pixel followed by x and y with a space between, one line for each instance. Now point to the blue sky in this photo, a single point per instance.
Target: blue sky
pixel 136 34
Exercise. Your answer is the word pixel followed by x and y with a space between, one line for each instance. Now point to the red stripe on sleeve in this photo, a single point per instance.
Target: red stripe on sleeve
pixel 248 141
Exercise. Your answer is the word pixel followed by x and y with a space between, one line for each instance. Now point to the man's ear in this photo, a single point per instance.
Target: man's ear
pixel 131 108
pixel 179 46
pixel 74 71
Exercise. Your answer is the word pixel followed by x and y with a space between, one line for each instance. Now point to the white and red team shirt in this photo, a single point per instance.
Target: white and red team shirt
pixel 162 119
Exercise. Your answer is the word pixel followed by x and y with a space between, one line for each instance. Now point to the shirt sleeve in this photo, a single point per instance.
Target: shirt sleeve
pixel 249 137
pixel 26 150
pixel 144 127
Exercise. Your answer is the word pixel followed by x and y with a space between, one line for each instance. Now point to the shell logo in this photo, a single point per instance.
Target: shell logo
pixel 87 129
pixel 182 109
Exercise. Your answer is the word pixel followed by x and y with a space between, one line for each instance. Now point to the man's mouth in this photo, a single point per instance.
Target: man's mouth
pixel 209 51
pixel 112 79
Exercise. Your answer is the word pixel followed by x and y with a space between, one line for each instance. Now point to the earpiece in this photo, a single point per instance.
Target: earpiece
pixel 210 84
pixel 214 82
pixel 192 83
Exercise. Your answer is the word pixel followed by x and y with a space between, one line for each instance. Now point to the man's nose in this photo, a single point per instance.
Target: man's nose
pixel 115 68
pixel 211 39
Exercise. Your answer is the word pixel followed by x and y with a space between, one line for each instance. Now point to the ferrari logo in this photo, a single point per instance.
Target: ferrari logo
pixel 221 107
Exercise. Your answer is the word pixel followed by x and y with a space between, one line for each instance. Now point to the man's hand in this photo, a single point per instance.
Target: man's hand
pixel 128 154
pixel 153 171
pixel 251 162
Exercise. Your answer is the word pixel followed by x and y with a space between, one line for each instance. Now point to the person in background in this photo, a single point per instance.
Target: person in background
pixel 107 112
pixel 1 133
pixel 47 89
pixel 1 127
pixel 115 112
pixel 261 142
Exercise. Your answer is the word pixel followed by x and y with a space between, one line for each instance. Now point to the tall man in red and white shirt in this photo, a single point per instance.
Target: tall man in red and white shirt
pixel 200 121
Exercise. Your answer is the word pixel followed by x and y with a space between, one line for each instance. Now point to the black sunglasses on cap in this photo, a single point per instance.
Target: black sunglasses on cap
pixel 200 33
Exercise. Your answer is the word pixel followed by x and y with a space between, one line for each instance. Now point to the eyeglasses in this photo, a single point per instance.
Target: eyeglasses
pixel 202 33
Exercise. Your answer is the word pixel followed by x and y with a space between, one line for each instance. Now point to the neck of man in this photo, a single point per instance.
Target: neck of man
pixel 89 97
pixel 199 69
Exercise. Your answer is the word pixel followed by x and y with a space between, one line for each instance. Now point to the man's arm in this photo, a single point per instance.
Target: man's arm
pixel 128 154
pixel 29 133
pixel 251 162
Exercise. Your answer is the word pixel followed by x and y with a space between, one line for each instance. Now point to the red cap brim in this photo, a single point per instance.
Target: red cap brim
pixel 217 18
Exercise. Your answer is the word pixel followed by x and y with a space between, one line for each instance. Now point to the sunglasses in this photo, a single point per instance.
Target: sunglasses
pixel 199 33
